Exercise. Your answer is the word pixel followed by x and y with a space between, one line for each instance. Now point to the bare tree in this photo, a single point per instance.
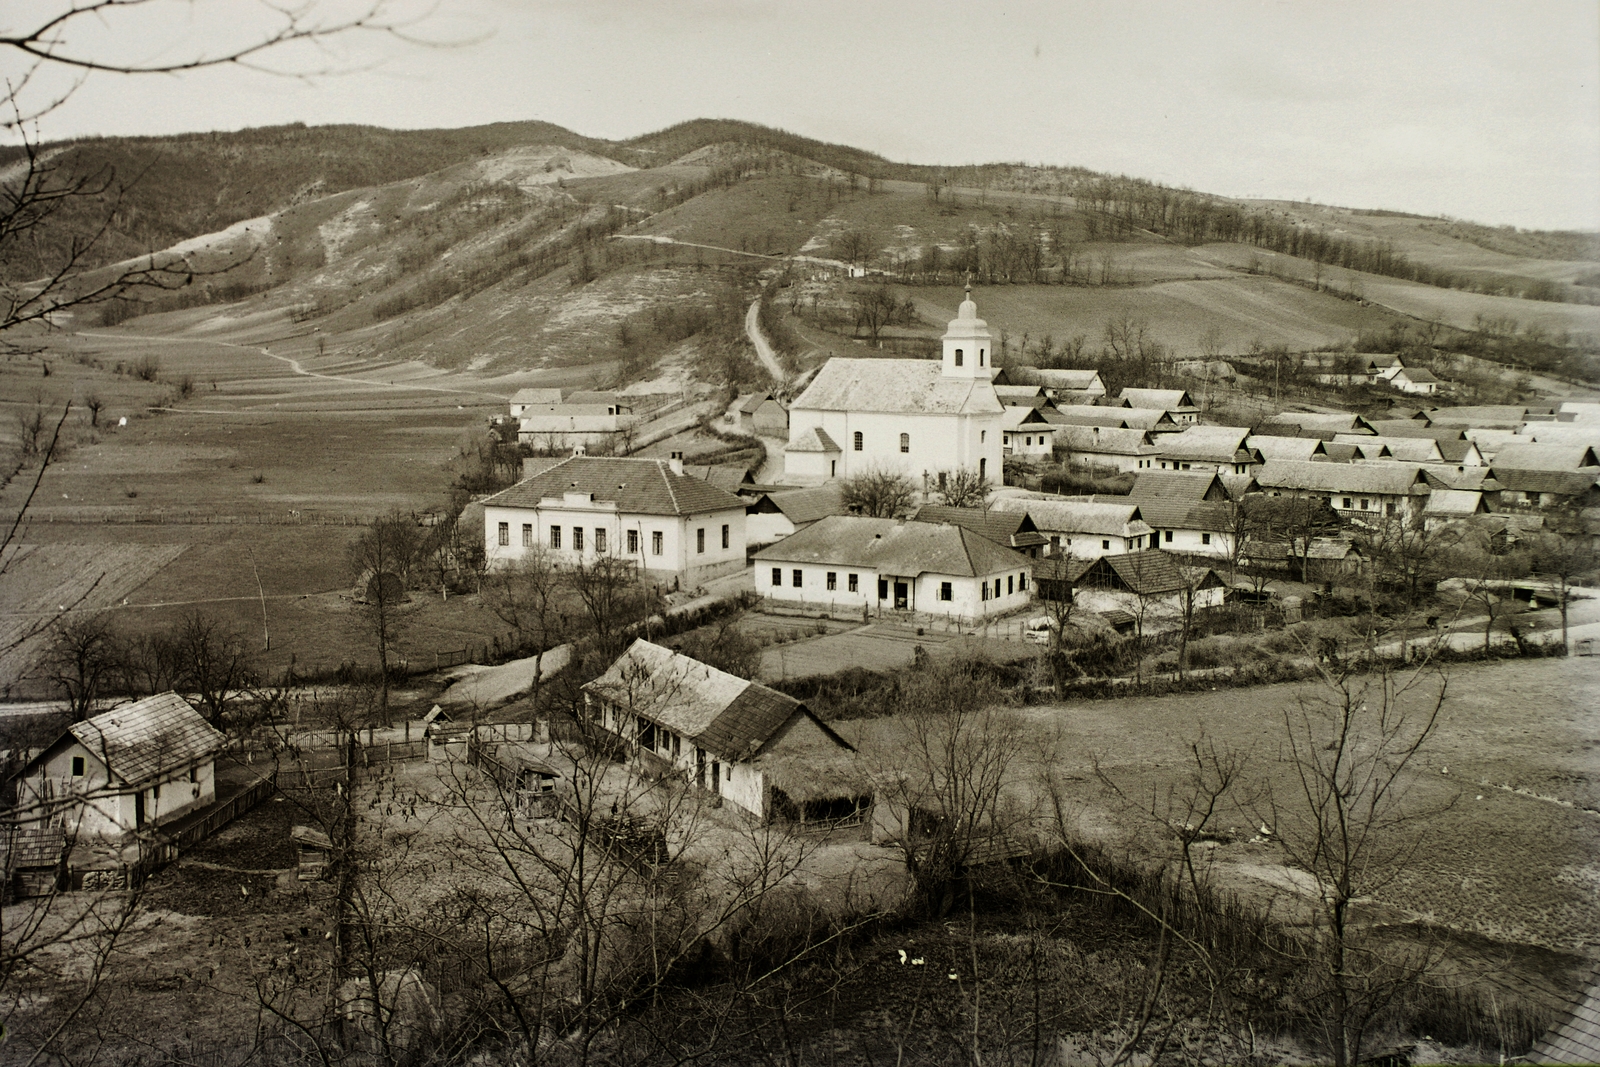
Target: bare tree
pixel 83 660
pixel 613 599
pixel 963 487
pixel 381 560
pixel 875 308
pixel 210 660
pixel 526 596
pixel 878 493
pixel 854 247
pixel 1349 820
pixel 1564 560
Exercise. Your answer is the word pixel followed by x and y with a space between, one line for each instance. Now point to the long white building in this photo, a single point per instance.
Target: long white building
pixel 911 416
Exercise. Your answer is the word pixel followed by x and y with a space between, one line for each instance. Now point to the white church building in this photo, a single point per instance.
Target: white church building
pixel 911 416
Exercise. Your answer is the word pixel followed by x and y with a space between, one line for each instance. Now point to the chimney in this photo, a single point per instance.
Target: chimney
pixel 676 463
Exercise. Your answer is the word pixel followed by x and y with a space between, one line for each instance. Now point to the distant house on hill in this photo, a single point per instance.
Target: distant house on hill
pixel 523 399
pixel 133 768
pixel 1383 367
pixel 761 414
pixel 1416 381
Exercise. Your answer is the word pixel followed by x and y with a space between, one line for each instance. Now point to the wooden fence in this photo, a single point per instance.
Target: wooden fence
pixel 247 801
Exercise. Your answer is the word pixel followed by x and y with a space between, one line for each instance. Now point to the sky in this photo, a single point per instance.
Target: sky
pixel 1488 111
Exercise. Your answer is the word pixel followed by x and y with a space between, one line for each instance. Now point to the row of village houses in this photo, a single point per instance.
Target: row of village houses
pixel 924 419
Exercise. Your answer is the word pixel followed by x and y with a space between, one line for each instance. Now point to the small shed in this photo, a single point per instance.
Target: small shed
pixel 771 419
pixel 313 851
pixel 34 859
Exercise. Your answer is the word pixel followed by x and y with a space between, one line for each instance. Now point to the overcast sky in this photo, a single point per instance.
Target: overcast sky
pixel 1481 110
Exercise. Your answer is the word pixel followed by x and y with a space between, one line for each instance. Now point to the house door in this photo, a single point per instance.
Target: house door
pixel 901 596
pixel 138 809
pixel 716 777
pixel 700 767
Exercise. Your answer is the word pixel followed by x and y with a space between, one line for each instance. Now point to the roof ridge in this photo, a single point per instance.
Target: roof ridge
pixel 666 476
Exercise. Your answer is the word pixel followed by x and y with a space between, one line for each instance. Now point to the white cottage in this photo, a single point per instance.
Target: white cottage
pixel 911 416
pixel 755 748
pixel 647 511
pixel 848 564
pixel 123 771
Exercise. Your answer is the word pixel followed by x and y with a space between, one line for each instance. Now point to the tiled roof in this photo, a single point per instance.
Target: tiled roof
pixel 815 439
pixel 1189 486
pixel 1575 1036
pixel 726 476
pixel 1012 393
pixel 1148 573
pixel 1216 444
pixel 1073 516
pixel 637 486
pixel 1485 415
pixel 720 712
pixel 1560 483
pixel 1419 375
pixel 1392 479
pixel 1334 422
pixel 1278 428
pixel 1091 415
pixel 149 737
pixel 1009 528
pixel 748 402
pixel 1454 502
pixel 895 385
pixel 1106 439
pixel 1562 433
pixel 1405 449
pixel 801 506
pixel 894 547
pixel 1271 446
pixel 1175 514
pixel 1015 418
pixel 1415 428
pixel 1166 399
pixel 1535 457
pixel 1023 374
pixel 1458 451
pixel 1450 476
pixel 22 848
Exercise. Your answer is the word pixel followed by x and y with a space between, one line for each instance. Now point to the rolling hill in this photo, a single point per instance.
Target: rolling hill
pixel 497 247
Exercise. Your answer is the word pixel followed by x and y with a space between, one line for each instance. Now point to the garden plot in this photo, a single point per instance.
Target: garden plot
pixel 38 583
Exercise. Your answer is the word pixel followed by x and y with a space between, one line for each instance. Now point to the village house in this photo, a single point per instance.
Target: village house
pixel 1446 506
pixel 1403 449
pixel 644 511
pixel 757 750
pixel 523 399
pixel 776 513
pixel 1545 457
pixel 1481 416
pixel 1189 513
pixel 1546 489
pixel 1105 447
pixel 1175 402
pixel 1010 528
pixel 1221 449
pixel 1360 490
pixel 1147 585
pixel 1274 447
pixel 761 414
pixel 1381 368
pixel 1083 529
pixel 847 564
pixel 1416 381
pixel 1069 386
pixel 124 771
pixel 910 416
pixel 1314 424
pixel 1022 396
pixel 1026 434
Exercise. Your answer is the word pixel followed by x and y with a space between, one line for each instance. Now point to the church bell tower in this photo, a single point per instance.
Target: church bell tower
pixel 967 347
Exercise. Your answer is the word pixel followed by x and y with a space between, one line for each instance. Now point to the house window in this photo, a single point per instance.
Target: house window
pixel 853 583
pixel 1105 545
pixel 527 535
pixel 796 578
pixel 905 442
pixel 983 468
pixel 724 535
pixel 1168 536
pixel 1009 589
pixel 657 540
pixel 503 533
pixel 983 435
pixel 946 592
pixel 1344 501
pixel 883 589
pixel 1022 582
pixel 833 580
pixel 986 590
pixel 777 577
pixel 577 539
pixel 633 542
pixel 194 775
pixel 600 540
pixel 555 537
pixel 958 357
pixel 77 766
pixel 980 357
pixel 1205 539
pixel 857 440
pixel 700 539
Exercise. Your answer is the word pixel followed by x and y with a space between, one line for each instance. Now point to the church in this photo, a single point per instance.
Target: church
pixel 910 416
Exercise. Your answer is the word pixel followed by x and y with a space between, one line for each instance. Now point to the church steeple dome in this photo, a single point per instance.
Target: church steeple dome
pixel 967 344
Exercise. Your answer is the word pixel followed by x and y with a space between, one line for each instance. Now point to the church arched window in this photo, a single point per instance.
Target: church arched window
pixel 980 357
pixel 958 357
pixel 905 442
pixel 858 441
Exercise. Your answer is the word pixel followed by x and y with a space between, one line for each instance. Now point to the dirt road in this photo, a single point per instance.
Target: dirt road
pixel 752 328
